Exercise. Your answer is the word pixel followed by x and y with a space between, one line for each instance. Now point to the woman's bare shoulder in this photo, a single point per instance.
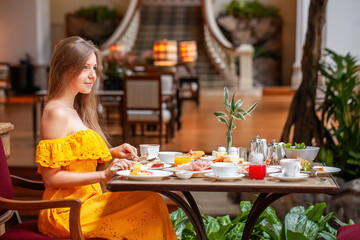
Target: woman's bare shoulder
pixel 55 121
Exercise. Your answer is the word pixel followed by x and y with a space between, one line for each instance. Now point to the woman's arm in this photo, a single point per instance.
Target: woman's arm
pixel 58 178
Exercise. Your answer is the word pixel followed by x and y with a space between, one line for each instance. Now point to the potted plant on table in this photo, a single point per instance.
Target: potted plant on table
pixel 235 112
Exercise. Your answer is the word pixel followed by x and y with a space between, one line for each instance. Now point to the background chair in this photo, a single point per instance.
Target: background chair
pixel 142 104
pixel 29 230
pixel 5 80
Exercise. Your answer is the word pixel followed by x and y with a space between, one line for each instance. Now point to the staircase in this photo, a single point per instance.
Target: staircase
pixel 181 23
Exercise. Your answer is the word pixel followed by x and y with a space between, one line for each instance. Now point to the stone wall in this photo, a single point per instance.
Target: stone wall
pixel 265 35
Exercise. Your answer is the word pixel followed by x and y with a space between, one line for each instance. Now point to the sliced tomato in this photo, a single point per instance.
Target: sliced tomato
pixel 157 165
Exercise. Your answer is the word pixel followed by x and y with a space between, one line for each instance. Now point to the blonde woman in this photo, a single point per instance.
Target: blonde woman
pixel 71 147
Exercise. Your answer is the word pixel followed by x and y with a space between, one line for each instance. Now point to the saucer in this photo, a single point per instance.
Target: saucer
pixel 230 178
pixel 281 177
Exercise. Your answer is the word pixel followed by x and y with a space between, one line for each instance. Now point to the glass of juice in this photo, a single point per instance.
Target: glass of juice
pixel 181 159
pixel 257 168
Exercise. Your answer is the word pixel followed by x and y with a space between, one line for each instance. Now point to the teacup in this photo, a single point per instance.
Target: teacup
pixel 151 149
pixel 223 169
pixel 290 167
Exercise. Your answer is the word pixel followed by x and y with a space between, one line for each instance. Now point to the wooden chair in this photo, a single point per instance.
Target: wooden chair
pixel 5 79
pixel 29 230
pixel 142 104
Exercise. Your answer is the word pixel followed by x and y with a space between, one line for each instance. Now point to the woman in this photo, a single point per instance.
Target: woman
pixel 73 144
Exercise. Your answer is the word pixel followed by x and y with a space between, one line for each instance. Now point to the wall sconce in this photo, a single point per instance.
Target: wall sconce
pixel 188 51
pixel 165 53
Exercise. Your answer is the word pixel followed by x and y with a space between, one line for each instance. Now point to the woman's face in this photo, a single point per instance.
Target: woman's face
pixel 85 81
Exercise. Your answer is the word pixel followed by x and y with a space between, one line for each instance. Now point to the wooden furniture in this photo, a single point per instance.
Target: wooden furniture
pixel 5 79
pixel 269 189
pixel 5 129
pixel 28 230
pixel 142 104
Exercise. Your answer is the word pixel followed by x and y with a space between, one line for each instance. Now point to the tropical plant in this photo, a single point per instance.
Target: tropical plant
pixel 235 112
pixel 341 114
pixel 299 223
pixel 249 9
pixel 97 14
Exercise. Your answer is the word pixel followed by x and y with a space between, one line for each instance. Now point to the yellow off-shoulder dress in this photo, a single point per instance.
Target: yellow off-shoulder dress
pixel 112 215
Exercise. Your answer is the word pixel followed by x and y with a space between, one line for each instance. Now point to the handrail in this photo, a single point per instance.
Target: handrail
pixel 223 53
pixel 210 21
pixel 131 13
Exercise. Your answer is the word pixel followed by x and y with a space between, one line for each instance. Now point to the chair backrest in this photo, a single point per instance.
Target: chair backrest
pixel 142 92
pixel 4 75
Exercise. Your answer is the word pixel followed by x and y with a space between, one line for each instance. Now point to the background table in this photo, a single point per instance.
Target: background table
pixel 270 189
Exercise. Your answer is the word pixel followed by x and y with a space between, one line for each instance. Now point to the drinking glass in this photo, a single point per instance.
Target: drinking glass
pixel 257 167
pixel 182 159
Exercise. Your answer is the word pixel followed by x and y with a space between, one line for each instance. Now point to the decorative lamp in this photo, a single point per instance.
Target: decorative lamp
pixel 117 49
pixel 165 53
pixel 188 51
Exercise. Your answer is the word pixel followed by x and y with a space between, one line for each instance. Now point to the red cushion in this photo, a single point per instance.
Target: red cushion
pixel 29 231
pixel 349 232
pixel 6 190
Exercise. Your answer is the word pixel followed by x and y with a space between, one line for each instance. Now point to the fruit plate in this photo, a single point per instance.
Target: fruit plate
pixel 156 175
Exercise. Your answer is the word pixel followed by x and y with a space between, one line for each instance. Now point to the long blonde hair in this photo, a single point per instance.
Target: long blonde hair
pixel 68 60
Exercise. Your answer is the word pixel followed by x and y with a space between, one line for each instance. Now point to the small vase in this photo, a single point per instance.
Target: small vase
pixel 229 138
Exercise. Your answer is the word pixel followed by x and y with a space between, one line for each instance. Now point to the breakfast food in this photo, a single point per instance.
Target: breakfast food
pixel 320 169
pixel 196 154
pixel 197 165
pixel 231 159
pixel 139 170
pixel 217 154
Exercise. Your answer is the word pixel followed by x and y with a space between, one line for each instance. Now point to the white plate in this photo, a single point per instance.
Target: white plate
pixel 268 170
pixel 281 177
pixel 244 164
pixel 157 175
pixel 328 170
pixel 173 169
pixel 166 165
pixel 212 175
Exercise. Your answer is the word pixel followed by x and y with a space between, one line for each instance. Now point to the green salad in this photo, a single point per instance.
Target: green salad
pixel 297 145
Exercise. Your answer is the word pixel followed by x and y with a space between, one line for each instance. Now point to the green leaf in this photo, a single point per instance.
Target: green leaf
pixel 252 108
pixel 232 104
pixel 297 226
pixel 316 212
pixel 327 235
pixel 297 209
pixel 245 206
pixel 238 104
pixel 239 116
pixel 223 120
pixel 226 98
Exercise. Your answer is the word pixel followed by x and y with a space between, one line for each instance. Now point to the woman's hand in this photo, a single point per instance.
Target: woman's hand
pixel 124 151
pixel 117 164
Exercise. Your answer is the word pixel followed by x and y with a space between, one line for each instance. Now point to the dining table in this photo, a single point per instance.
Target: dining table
pixel 268 190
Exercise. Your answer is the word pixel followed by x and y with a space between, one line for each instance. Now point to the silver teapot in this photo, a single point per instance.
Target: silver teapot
pixel 258 145
pixel 275 150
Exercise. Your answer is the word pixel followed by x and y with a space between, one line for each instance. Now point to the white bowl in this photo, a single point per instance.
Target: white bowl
pixel 184 174
pixel 309 153
pixel 167 157
pixel 224 169
pixel 208 158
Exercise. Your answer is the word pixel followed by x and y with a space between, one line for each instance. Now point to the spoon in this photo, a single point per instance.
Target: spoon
pixel 314 173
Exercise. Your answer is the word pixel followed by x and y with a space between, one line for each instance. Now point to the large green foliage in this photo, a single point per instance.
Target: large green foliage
pixel 249 9
pixel 341 114
pixel 97 14
pixel 299 223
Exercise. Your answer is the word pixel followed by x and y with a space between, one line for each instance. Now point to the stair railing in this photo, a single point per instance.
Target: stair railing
pixel 223 54
pixel 126 32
